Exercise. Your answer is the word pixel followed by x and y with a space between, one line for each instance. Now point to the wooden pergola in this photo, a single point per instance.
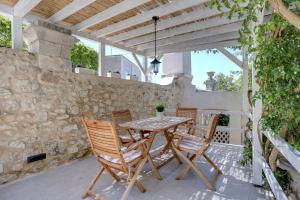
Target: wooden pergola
pixel 185 25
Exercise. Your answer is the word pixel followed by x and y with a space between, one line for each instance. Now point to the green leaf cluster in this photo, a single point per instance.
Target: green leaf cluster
pixel 84 56
pixel 231 82
pixel 5 32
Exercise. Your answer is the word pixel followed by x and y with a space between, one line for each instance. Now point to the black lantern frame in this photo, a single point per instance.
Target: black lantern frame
pixel 155 63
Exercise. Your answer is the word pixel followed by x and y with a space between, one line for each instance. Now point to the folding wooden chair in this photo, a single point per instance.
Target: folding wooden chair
pixel 190 127
pixel 196 147
pixel 127 136
pixel 107 148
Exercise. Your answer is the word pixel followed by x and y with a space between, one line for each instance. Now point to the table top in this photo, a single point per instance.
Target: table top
pixel 155 124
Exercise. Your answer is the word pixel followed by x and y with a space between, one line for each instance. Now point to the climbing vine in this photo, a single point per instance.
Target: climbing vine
pixel 277 65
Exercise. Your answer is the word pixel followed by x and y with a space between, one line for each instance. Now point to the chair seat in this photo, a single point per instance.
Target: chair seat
pixel 183 130
pixel 190 144
pixel 136 136
pixel 128 157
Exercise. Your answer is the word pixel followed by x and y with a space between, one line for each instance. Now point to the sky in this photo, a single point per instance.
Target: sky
pixel 202 62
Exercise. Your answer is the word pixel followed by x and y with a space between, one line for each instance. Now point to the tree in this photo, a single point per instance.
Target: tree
pixel 232 82
pixel 5 32
pixel 85 56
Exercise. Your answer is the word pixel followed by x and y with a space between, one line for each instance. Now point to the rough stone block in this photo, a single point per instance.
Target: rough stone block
pixel 1 168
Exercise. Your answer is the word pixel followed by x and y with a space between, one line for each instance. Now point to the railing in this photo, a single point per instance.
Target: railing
pixel 292 155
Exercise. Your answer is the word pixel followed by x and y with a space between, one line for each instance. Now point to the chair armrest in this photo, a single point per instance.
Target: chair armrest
pixel 135 145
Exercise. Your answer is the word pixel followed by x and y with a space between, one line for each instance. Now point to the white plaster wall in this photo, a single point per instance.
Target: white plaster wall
pixel 177 63
pixel 121 64
pixel 112 63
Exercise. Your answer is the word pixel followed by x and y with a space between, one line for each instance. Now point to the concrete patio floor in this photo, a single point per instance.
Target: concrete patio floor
pixel 70 181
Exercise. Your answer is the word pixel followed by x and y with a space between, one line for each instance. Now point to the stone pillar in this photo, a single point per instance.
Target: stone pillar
pixel 52 44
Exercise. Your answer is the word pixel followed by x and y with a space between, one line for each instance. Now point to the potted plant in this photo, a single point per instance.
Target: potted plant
pixel 160 108
pixel 108 74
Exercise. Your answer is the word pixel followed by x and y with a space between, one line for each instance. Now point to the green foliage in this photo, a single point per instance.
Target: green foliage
pixel 85 56
pixel 232 82
pixel 247 153
pixel 223 120
pixel 278 74
pixel 160 107
pixel 5 32
pixel 277 65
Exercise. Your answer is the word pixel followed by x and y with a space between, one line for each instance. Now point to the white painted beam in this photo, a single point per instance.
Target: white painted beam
pixel 70 9
pixel 109 13
pixel 23 7
pixel 17 32
pixel 231 57
pixel 192 35
pixel 201 41
pixel 6 10
pixel 91 37
pixel 292 155
pixel 166 9
pixel 200 47
pixel 216 21
pixel 139 64
pixel 164 24
pixel 273 183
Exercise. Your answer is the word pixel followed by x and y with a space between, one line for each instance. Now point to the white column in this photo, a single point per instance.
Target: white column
pixel 146 68
pixel 245 89
pixel 257 112
pixel 101 57
pixel 17 32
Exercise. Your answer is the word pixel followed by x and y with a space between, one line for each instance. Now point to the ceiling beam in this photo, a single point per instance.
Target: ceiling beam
pixel 6 10
pixel 109 13
pixel 166 9
pixel 231 57
pixel 107 42
pixel 201 41
pixel 202 47
pixel 234 27
pixel 23 7
pixel 196 26
pixel 170 22
pixel 69 10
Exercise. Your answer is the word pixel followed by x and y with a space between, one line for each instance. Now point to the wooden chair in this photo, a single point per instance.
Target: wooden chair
pixel 126 136
pixel 190 127
pixel 112 156
pixel 196 147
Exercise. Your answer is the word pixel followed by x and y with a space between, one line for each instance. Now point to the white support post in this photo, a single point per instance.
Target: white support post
pixel 17 32
pixel 139 64
pixel 146 68
pixel 245 88
pixel 257 111
pixel 101 57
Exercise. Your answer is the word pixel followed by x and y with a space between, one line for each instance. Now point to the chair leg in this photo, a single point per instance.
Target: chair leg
pixel 133 180
pixel 115 176
pixel 212 163
pixel 198 171
pixel 137 183
pixel 154 169
pixel 186 169
pixel 92 184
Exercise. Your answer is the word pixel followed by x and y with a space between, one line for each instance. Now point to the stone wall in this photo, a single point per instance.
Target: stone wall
pixel 41 110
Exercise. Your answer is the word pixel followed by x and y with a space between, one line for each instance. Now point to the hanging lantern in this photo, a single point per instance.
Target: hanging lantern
pixel 155 63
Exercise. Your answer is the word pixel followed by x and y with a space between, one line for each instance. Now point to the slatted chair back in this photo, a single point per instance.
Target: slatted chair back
pixel 103 138
pixel 187 112
pixel 211 129
pixel 121 116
